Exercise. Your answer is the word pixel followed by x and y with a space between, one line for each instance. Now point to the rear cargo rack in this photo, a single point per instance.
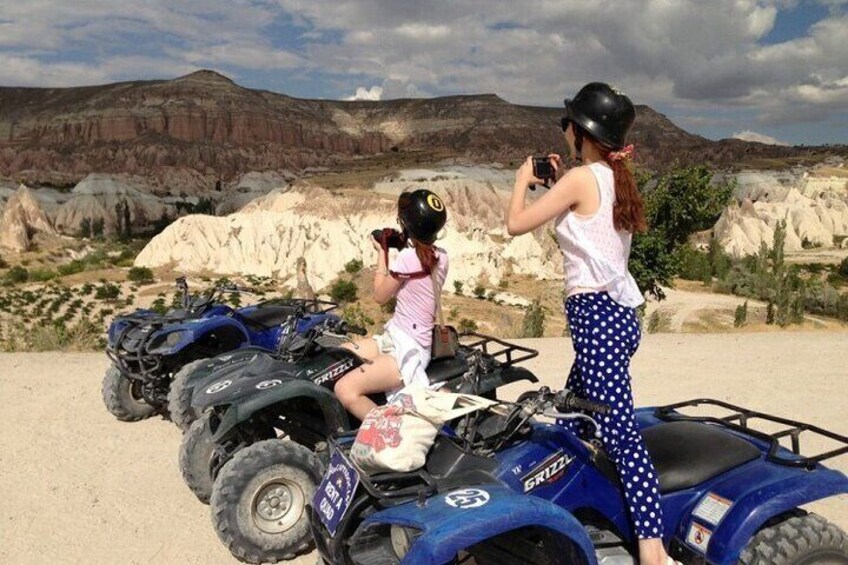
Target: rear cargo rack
pixel 509 353
pixel 739 421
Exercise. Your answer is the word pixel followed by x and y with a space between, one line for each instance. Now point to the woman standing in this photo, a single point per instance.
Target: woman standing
pixel 400 355
pixel 597 208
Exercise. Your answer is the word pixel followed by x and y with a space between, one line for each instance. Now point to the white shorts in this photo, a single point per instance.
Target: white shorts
pixel 411 358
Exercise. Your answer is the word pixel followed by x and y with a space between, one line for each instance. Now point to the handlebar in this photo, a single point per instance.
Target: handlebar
pixel 566 401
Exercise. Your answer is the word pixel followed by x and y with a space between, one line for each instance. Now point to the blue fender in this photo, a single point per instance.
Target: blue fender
pixel 753 509
pixel 195 330
pixel 446 529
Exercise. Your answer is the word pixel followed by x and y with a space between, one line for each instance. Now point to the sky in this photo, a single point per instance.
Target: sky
pixel 769 70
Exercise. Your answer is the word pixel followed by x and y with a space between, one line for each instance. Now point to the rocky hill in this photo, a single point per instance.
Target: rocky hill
pixel 190 133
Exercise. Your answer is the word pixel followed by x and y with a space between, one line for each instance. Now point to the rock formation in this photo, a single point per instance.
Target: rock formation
pixel 814 206
pixel 22 218
pixel 203 128
pixel 269 235
pixel 106 205
pixel 303 289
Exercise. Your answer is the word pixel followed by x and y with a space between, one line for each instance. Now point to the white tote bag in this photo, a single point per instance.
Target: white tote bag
pixel 397 436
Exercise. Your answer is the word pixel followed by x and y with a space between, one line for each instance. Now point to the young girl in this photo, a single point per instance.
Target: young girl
pixel 400 355
pixel 597 208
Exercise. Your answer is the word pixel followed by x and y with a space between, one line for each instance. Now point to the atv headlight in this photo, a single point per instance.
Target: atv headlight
pixel 166 343
pixel 381 543
pixel 402 539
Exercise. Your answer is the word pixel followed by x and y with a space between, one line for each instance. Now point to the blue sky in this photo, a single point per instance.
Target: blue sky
pixel 761 68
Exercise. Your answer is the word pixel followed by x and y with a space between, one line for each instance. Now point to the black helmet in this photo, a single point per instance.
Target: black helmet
pixel 604 112
pixel 421 214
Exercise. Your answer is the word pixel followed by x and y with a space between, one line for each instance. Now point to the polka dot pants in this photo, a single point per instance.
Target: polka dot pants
pixel 605 336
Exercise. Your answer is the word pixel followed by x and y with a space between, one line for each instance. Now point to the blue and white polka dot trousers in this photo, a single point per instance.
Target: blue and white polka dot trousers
pixel 605 335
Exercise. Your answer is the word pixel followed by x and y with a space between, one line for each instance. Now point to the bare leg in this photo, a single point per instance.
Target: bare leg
pixel 652 552
pixel 364 347
pixel 380 375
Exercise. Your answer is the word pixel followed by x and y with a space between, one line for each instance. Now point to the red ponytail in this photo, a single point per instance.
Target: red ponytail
pixel 628 213
pixel 426 255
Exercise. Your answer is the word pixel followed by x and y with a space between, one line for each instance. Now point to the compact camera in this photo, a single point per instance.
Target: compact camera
pixel 543 169
pixel 390 238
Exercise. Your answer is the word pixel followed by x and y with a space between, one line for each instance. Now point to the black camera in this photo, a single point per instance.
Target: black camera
pixel 390 238
pixel 543 169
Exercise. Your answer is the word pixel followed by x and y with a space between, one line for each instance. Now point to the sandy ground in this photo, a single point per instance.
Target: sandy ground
pixel 76 486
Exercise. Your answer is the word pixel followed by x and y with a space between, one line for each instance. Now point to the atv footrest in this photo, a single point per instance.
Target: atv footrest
pixel 740 420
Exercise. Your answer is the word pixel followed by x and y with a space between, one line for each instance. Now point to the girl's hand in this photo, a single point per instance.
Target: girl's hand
pixel 524 175
pixel 558 165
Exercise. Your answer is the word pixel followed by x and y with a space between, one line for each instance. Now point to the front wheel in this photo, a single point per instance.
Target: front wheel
pixel 123 398
pixel 802 540
pixel 259 501
pixel 179 396
pixel 196 452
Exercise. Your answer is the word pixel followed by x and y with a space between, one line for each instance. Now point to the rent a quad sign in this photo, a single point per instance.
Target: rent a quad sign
pixel 335 493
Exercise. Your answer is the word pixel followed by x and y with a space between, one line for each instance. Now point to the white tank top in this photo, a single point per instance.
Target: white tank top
pixel 595 254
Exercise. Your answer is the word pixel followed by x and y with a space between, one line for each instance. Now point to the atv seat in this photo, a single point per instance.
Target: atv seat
pixel 267 316
pixel 686 454
pixel 440 370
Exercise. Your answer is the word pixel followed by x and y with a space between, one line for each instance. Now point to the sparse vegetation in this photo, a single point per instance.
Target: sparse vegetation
pixel 658 321
pixel 353 314
pixel 466 325
pixel 740 316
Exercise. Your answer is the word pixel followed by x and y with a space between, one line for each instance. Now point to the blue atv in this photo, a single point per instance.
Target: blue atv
pixel 148 349
pixel 506 488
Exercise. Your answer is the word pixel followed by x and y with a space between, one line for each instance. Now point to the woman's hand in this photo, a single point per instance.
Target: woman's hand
pixel 558 165
pixel 524 175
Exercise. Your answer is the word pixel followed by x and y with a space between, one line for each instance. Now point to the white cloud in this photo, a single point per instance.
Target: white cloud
pixel 697 58
pixel 749 135
pixel 362 93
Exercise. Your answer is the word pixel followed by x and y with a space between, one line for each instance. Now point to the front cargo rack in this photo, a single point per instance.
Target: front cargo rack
pixel 509 353
pixel 740 419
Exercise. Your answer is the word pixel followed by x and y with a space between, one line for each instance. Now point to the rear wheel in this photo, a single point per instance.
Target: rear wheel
pixel 259 501
pixel 179 396
pixel 123 398
pixel 802 540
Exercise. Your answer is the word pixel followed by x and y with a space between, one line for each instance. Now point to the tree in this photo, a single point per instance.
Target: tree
pixel 141 275
pixel 680 203
pixel 740 317
pixel 533 324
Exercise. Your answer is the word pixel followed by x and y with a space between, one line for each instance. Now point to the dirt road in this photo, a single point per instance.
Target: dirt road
pixel 76 486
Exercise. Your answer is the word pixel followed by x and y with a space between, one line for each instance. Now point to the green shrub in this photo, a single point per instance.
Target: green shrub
pixel 740 317
pixel 17 274
pixel 658 321
pixel 466 325
pixel 694 265
pixel 3 263
pixel 457 288
pixel 842 270
pixel 533 324
pixel 353 266
pixel 141 275
pixel 354 315
pixel 390 306
pixel 42 275
pixel 107 291
pixel 343 291
pixel 479 292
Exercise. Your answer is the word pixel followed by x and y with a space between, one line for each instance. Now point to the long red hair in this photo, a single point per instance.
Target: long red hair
pixel 628 213
pixel 426 255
